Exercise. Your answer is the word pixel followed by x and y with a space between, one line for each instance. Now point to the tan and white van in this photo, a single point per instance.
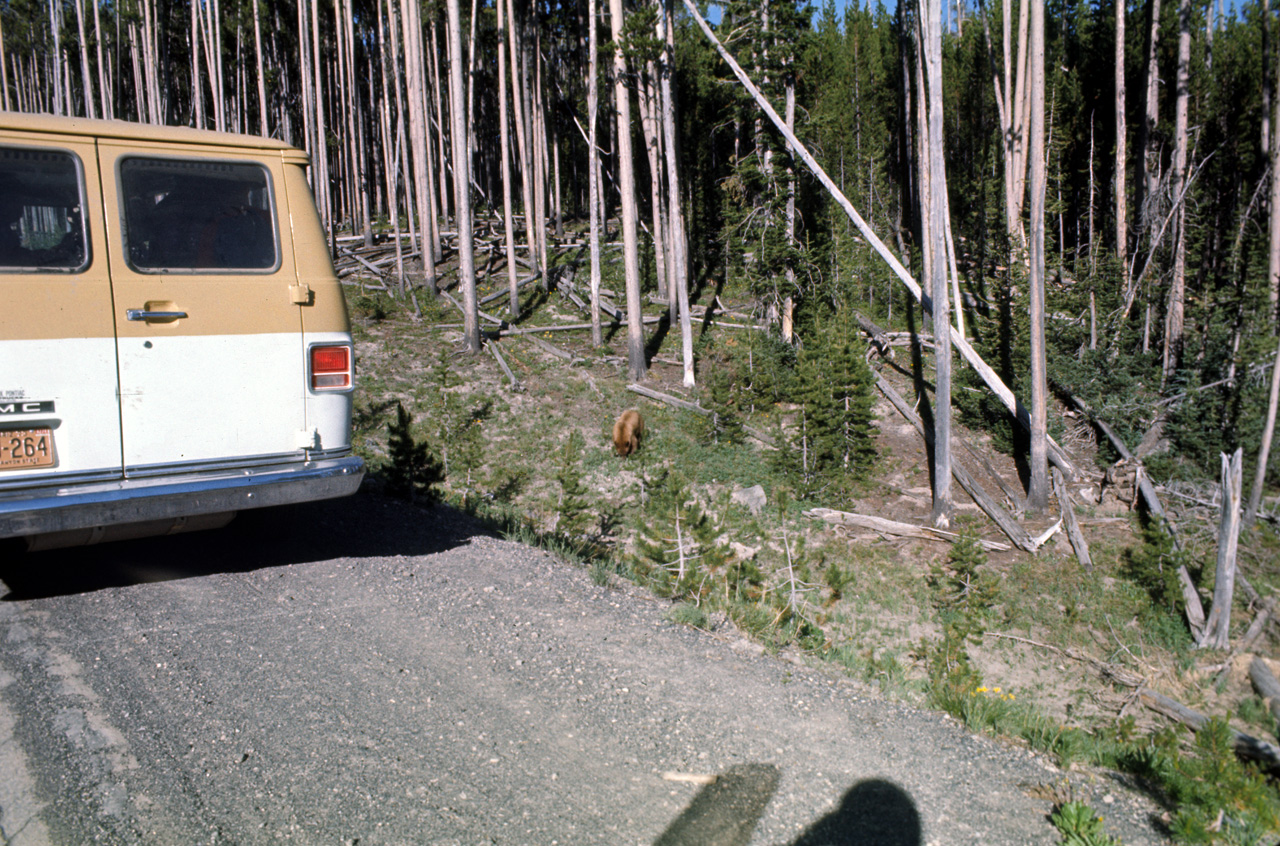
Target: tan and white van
pixel 174 343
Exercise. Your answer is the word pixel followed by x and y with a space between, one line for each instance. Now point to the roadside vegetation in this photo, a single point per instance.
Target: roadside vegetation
pixel 1028 647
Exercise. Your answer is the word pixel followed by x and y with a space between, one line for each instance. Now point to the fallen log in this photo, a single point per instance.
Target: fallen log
pixel 502 362
pixel 551 348
pixel 878 336
pixel 506 292
pixel 496 321
pixel 993 509
pixel 563 328
pixel 344 251
pixel 1246 746
pixel 668 399
pixel 893 527
pixel 1078 543
pixel 1266 685
pixel 1251 635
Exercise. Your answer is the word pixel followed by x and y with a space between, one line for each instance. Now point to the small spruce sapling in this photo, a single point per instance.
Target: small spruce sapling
pixel 964 596
pixel 832 446
pixel 572 515
pixel 724 424
pixel 675 545
pixel 413 471
pixel 459 426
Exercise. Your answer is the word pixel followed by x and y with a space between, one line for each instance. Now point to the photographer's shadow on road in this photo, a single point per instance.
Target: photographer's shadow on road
pixel 361 526
pixel 872 813
pixel 725 813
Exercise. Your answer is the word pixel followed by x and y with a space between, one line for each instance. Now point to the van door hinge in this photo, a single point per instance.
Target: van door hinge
pixel 300 294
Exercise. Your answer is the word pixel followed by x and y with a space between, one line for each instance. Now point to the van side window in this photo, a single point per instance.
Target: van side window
pixel 183 215
pixel 41 221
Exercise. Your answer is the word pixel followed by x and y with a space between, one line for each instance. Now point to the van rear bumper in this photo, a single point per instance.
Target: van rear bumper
pixel 41 511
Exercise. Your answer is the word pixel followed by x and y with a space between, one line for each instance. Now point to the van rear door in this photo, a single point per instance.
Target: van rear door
pixel 59 413
pixel 209 339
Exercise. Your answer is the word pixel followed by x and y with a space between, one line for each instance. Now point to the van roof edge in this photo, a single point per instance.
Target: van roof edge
pixel 129 130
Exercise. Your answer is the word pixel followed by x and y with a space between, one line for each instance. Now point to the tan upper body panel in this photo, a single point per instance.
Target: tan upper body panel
pixel 61 304
pixel 77 304
pixel 328 305
pixel 243 303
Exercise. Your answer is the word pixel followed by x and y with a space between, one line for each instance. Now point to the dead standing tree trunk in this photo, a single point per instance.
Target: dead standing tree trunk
pixel 1175 316
pixel 931 24
pixel 508 227
pixel 1122 154
pixel 523 142
pixel 415 83
pixel 627 184
pixel 1038 489
pixel 593 167
pixel 462 181
pixel 1216 627
pixel 679 263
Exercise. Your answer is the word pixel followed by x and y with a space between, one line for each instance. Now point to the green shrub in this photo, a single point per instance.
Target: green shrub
pixel 412 471
pixel 573 512
pixel 1080 825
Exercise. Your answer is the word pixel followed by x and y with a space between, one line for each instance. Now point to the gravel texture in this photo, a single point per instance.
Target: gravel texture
pixel 367 672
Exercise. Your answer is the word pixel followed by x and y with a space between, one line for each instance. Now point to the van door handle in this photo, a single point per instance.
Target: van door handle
pixel 143 314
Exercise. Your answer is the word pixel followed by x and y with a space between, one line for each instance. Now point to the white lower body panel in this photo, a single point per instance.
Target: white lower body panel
pixel 190 398
pixel 78 377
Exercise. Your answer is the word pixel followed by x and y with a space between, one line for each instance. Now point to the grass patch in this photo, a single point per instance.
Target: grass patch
pixel 537 468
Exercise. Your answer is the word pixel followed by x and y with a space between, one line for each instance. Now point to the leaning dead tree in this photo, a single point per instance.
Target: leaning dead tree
pixel 989 376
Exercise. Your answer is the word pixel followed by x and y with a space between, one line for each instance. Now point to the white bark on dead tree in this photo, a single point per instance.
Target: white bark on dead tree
pixel 936 203
pixel 593 166
pixel 627 184
pixel 504 134
pixel 1174 317
pixel 462 181
pixel 1122 146
pixel 523 143
pixel 1216 629
pixel 1038 489
pixel 679 246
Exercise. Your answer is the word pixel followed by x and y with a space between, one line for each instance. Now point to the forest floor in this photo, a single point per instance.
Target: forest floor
pixel 1052 633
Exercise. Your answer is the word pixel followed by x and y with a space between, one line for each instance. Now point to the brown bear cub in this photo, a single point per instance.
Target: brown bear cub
pixel 627 432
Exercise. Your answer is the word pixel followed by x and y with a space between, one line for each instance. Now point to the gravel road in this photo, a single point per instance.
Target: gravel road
pixel 366 672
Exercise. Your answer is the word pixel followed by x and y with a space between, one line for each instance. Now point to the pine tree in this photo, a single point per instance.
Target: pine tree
pixel 413 471
pixel 724 424
pixel 676 547
pixel 573 514
pixel 832 446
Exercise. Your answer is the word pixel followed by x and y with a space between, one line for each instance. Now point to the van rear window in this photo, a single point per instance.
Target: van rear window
pixel 189 215
pixel 41 222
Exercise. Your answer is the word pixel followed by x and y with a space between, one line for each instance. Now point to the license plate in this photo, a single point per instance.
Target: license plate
pixel 23 448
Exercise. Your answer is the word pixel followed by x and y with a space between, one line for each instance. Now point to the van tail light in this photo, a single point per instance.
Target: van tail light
pixel 331 368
